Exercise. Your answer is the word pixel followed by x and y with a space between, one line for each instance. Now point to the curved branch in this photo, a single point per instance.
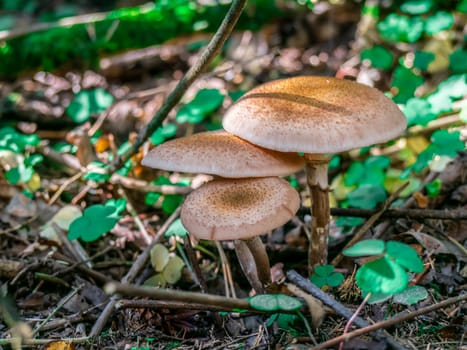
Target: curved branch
pixel 209 53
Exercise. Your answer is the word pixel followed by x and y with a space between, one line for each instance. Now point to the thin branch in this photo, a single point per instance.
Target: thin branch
pixel 392 322
pixel 201 64
pixel 442 214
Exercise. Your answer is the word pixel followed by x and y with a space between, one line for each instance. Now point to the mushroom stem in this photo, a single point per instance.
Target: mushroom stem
pixel 254 261
pixel 316 167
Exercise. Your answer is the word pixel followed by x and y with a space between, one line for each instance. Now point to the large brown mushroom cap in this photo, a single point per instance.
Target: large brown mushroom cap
pixel 223 154
pixel 239 209
pixel 314 115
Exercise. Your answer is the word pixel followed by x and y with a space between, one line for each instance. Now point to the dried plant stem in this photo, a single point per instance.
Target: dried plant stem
pixel 211 50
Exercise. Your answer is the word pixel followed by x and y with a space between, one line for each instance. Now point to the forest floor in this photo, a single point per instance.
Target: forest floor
pixel 52 288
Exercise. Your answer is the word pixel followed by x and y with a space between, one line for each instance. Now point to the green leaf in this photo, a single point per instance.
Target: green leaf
pixel 173 270
pixel 458 61
pixel 405 256
pixel 411 295
pixel 423 59
pixel 438 22
pixel 365 248
pixel 335 279
pixel 418 111
pixel 274 302
pixel 159 257
pixel 366 196
pixel 433 188
pixel 380 162
pixel 171 202
pixel 19 174
pixel 379 56
pixel 205 102
pixel 354 173
pixel 94 223
pixel 151 198
pixel 396 28
pixel 118 205
pixel 455 86
pixel 163 133
pixel 33 160
pixel 462 6
pixel 176 229
pixel 97 171
pixel 157 280
pixel 381 276
pixel 87 103
pixel 348 221
pixel 416 7
pixel 324 270
pixel 406 83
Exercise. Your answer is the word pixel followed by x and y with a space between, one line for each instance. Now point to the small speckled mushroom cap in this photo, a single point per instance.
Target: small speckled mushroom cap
pixel 314 115
pixel 239 209
pixel 223 154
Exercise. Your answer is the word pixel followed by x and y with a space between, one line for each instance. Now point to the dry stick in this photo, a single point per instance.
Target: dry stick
pixel 359 234
pixel 354 316
pixel 340 309
pixel 146 237
pixel 167 304
pixel 59 306
pixel 439 214
pixel 132 273
pixel 229 285
pixel 214 46
pixel 391 322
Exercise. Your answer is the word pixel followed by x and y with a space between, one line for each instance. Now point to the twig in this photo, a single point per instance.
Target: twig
pixel 130 276
pixel 144 186
pixel 391 322
pixel 365 227
pixel 191 75
pixel 443 214
pixel 177 295
pixel 167 304
pixel 59 306
pixel 354 316
pixel 146 237
pixel 340 309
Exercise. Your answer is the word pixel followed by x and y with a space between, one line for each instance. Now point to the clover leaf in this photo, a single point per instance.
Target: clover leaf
pixel 96 220
pixel 87 103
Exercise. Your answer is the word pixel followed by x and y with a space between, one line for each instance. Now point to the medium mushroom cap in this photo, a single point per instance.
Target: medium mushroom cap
pixel 314 115
pixel 223 154
pixel 239 209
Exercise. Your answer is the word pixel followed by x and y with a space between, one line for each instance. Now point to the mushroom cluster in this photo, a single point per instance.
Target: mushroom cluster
pixel 316 116
pixel 264 131
pixel 245 200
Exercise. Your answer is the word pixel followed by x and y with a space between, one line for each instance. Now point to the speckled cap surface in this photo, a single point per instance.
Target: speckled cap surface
pixel 314 115
pixel 239 209
pixel 223 154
